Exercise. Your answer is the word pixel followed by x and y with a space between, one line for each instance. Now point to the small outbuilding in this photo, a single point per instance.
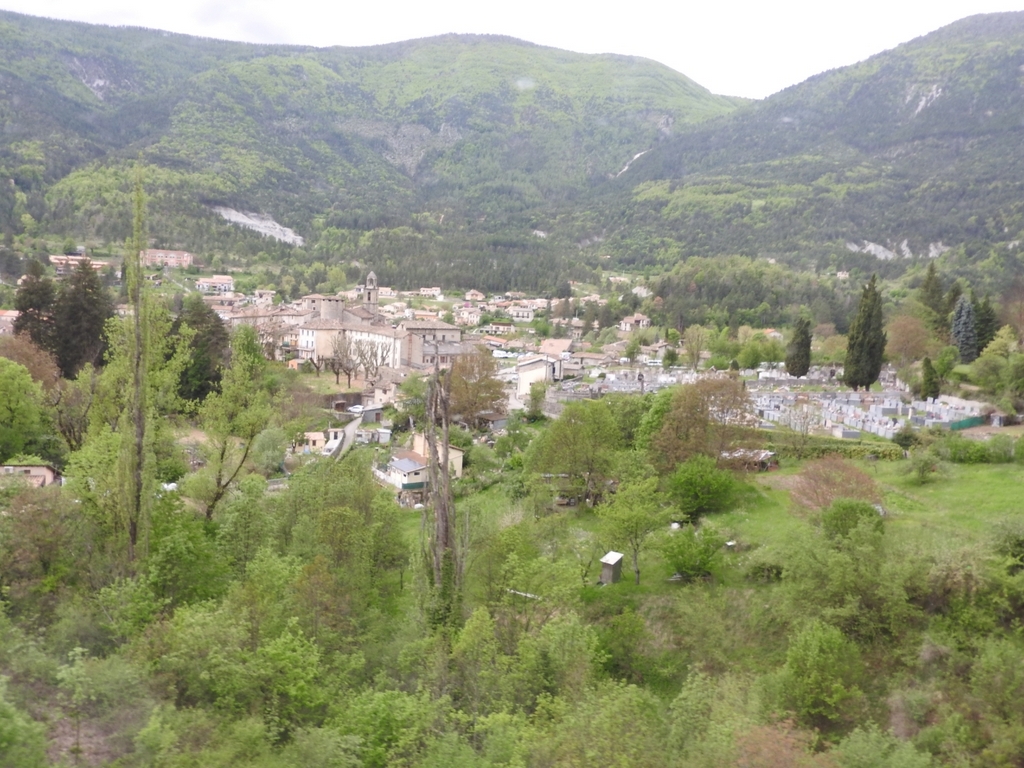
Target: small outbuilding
pixel 611 568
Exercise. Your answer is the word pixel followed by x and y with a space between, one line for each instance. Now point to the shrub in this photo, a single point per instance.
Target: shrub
pixel 907 437
pixel 819 681
pixel 923 466
pixel 693 553
pixel 846 514
pixel 960 450
pixel 698 487
pixel 833 477
pixel 812 447
pixel 1000 449
pixel 1009 544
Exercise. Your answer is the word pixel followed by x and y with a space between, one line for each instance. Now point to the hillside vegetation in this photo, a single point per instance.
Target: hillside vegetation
pixel 917 149
pixel 447 147
pixel 509 165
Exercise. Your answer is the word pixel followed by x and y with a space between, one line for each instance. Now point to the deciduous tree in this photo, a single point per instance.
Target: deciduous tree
pixel 908 339
pixel 581 444
pixel 629 520
pixel 344 358
pixel 372 357
pixel 233 417
pixel 695 340
pixel 22 426
pixel 698 487
pixel 706 417
pixel 476 388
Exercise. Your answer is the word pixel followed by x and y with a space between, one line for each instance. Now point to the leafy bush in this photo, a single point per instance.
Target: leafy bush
pixel 1000 449
pixel 693 553
pixel 820 680
pixel 923 466
pixel 839 520
pixel 906 438
pixel 811 447
pixel 1009 545
pixel 960 450
pixel 698 487
pixel 870 748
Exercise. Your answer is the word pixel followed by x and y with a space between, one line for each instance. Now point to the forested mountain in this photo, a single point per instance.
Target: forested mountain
pixel 913 151
pixel 454 143
pixel 493 162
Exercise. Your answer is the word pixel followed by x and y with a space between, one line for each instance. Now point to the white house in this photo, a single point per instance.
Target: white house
pixel 216 284
pixel 521 314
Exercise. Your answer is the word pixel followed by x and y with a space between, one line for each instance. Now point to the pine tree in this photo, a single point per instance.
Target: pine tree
pixel 964 333
pixel 34 302
pixel 80 314
pixel 210 347
pixel 929 379
pixel 866 341
pixel 931 294
pixel 798 353
pixel 986 322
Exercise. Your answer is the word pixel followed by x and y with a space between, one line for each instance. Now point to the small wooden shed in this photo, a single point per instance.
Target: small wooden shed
pixel 611 568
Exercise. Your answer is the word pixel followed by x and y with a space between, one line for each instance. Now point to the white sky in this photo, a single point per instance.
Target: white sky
pixel 737 47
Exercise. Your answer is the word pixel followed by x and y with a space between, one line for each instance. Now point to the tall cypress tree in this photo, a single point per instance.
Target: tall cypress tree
pixel 798 353
pixel 866 341
pixel 964 332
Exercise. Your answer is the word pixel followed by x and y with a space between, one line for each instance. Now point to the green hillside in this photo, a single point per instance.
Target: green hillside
pixel 445 148
pixel 916 149
pixel 488 161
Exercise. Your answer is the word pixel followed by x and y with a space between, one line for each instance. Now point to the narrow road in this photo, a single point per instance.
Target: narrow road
pixel 350 435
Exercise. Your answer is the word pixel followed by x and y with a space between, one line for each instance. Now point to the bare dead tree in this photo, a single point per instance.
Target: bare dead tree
pixel 343 359
pixel 447 571
pixel 317 364
pixel 372 357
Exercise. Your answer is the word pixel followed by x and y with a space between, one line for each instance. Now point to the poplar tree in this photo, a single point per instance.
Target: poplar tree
pixel 133 437
pixel 798 353
pixel 965 335
pixel 866 341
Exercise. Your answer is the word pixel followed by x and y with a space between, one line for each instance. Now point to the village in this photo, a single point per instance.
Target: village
pixel 377 337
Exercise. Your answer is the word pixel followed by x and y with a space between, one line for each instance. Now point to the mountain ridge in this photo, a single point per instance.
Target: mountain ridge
pixel 453 150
